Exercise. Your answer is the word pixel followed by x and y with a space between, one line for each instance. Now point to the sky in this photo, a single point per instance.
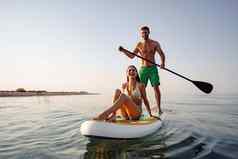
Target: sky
pixel 68 45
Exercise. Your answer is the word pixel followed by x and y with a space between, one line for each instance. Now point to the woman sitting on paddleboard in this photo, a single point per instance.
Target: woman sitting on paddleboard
pixel 129 100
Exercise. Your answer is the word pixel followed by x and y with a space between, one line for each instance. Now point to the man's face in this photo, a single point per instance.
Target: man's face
pixel 144 34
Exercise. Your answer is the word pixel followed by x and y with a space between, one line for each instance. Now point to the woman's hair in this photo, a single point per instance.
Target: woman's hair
pixel 137 75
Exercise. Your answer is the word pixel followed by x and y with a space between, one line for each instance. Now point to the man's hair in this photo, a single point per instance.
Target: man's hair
pixel 145 28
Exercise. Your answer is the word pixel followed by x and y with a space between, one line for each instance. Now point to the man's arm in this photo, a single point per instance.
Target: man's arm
pixel 128 53
pixel 161 53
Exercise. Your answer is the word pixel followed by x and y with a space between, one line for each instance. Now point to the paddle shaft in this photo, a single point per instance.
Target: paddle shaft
pixel 161 67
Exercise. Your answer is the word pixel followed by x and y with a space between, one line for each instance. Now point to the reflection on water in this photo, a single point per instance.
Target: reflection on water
pixel 125 149
pixel 101 149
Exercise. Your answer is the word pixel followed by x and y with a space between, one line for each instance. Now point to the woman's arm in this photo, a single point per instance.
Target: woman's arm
pixel 145 99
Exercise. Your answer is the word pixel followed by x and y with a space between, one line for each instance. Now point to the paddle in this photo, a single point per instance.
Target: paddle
pixel 203 86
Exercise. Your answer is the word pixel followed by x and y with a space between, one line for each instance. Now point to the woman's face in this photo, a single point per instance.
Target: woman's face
pixel 131 72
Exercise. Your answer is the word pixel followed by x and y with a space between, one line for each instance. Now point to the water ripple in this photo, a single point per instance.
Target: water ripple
pixel 195 128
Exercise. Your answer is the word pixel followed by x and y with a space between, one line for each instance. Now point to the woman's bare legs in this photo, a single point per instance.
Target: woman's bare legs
pixel 122 99
pixel 122 109
pixel 116 95
pixel 124 113
pixel 112 116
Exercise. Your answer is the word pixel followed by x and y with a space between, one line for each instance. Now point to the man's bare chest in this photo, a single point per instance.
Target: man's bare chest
pixel 147 49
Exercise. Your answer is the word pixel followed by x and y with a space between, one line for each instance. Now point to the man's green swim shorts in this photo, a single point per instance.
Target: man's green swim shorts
pixel 149 73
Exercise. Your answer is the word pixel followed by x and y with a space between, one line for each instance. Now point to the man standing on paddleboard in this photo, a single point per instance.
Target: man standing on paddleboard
pixel 148 71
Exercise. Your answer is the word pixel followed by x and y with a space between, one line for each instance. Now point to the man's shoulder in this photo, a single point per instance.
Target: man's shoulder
pixel 139 43
pixel 154 42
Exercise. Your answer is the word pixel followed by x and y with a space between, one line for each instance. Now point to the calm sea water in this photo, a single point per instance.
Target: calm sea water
pixel 204 126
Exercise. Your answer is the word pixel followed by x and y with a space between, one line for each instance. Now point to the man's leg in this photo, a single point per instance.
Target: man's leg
pixel 144 75
pixel 155 82
pixel 158 97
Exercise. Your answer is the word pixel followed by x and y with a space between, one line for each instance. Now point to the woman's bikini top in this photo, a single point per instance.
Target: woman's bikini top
pixel 134 93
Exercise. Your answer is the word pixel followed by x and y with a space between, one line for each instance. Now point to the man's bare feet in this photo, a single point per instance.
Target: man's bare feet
pixel 156 117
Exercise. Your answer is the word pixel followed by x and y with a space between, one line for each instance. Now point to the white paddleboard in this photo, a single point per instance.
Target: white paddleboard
pixel 121 129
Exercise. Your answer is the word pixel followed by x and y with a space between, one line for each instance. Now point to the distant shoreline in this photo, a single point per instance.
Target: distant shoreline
pixel 41 93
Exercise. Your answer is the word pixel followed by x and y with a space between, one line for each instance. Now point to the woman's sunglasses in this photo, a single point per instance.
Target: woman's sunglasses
pixel 132 70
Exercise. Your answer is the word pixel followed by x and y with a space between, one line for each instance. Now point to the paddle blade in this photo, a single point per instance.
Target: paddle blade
pixel 203 86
